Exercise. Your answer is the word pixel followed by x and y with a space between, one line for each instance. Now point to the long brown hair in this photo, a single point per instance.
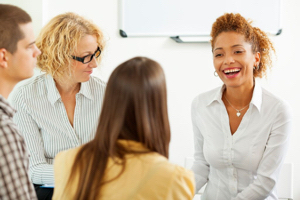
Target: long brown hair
pixel 134 108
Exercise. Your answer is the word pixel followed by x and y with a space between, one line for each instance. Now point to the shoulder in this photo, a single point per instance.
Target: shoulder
pixel 276 108
pixel 7 126
pixel 10 138
pixel 272 101
pixel 205 97
pixel 182 185
pixel 30 88
pixel 67 156
pixel 5 121
pixel 97 82
pixel 173 181
pixel 65 159
pixel 182 174
pixel 173 170
pixel 33 82
pixel 267 95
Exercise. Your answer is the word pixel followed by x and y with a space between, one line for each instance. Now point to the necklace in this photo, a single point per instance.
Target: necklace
pixel 238 112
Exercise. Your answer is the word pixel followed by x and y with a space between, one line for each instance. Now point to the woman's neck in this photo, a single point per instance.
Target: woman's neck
pixel 239 96
pixel 67 87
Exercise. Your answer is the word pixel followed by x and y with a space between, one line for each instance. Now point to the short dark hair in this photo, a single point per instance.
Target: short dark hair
pixel 10 19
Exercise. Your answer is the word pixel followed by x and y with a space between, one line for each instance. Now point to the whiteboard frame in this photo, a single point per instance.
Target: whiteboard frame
pixel 175 35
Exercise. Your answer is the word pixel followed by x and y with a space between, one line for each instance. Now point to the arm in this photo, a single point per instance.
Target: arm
pixel 273 157
pixel 183 185
pixel 14 179
pixel 63 164
pixel 60 174
pixel 39 170
pixel 200 166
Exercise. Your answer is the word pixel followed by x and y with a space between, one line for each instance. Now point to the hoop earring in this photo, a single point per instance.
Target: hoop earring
pixel 216 74
pixel 256 68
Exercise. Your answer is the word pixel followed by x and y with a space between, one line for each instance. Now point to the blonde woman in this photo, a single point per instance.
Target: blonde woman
pixel 128 157
pixel 59 110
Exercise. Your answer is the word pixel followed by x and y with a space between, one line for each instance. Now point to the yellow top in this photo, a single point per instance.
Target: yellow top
pixel 146 176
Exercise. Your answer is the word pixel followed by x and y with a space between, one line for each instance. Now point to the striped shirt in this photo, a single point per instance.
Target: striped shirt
pixel 14 179
pixel 43 120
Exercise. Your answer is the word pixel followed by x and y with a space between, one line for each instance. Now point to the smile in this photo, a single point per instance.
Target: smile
pixel 231 72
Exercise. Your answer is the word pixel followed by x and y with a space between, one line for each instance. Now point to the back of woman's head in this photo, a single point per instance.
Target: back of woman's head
pixel 135 107
pixel 230 22
pixel 58 41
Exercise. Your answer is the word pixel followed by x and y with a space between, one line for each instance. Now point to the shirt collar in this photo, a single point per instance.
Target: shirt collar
pixel 53 93
pixel 85 90
pixel 6 107
pixel 256 97
pixel 217 96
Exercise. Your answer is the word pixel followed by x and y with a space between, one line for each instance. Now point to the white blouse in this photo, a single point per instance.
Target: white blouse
pixel 42 118
pixel 245 165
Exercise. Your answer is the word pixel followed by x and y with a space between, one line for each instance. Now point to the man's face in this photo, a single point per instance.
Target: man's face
pixel 22 63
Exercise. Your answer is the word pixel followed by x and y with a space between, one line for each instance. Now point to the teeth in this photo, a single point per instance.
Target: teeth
pixel 231 70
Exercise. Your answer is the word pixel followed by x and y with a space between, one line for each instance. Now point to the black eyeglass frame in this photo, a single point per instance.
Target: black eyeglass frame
pixel 81 59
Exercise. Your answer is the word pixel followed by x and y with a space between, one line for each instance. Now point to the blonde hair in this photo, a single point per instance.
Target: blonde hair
pixel 58 41
pixel 256 37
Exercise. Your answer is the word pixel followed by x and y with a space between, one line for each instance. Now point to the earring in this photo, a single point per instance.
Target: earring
pixel 256 68
pixel 215 74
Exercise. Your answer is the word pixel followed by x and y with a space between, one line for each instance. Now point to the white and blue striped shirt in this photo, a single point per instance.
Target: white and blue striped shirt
pixel 42 118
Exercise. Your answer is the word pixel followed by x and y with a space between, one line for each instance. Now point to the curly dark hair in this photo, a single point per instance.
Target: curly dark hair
pixel 256 37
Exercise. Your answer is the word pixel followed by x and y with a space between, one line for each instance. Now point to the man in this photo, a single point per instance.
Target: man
pixel 18 54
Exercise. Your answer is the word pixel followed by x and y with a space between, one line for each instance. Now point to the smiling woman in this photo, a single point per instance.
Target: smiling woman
pixel 60 109
pixel 234 59
pixel 241 131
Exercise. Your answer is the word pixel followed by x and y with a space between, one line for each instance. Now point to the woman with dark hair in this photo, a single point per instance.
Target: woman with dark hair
pixel 241 130
pixel 128 157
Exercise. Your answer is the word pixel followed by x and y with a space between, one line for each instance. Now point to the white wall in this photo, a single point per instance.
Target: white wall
pixel 33 7
pixel 189 68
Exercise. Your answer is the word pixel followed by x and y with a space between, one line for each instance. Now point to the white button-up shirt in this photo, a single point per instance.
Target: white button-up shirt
pixel 245 165
pixel 42 118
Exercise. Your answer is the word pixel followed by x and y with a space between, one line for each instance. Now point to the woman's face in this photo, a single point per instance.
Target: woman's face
pixel 86 46
pixel 234 60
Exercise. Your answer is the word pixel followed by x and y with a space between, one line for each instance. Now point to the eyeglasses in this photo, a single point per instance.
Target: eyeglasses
pixel 88 58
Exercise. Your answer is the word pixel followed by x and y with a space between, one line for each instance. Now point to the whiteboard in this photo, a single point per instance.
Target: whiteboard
pixel 192 17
